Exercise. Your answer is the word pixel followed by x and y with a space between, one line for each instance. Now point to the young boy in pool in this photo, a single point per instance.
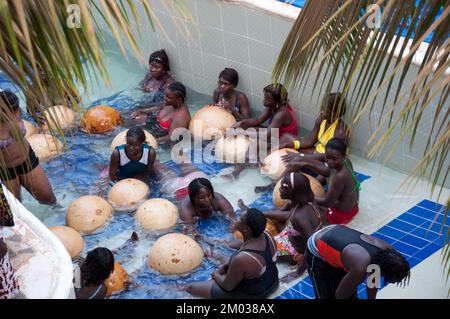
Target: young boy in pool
pixel 341 200
pixel 134 159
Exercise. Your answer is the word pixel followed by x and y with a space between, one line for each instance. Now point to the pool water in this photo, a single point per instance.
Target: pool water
pixel 76 173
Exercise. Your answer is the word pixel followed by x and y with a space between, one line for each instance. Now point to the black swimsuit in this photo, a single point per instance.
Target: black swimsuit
pixel 259 287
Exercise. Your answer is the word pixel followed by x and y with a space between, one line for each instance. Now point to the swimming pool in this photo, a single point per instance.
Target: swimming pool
pixel 76 172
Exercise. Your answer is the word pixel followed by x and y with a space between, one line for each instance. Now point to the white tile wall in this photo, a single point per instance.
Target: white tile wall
pixel 228 35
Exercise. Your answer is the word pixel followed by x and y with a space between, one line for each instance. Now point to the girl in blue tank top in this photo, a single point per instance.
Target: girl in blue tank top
pixel 134 159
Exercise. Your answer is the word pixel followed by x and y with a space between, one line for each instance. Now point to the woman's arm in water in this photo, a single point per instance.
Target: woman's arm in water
pixel 187 213
pixel 224 206
pixel 114 165
pixel 335 190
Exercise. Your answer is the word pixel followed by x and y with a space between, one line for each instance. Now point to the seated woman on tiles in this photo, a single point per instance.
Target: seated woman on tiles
pixel 228 97
pixel 296 221
pixel 134 159
pixel 279 114
pixel 328 125
pixel 342 197
pixel 251 272
pixel 172 115
pixel 203 202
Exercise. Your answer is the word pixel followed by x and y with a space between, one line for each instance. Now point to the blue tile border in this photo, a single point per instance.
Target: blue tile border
pixel 415 233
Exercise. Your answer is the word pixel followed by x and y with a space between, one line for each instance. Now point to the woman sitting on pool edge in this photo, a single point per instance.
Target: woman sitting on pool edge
pixel 278 111
pixel 173 114
pixel 251 272
pixel 228 97
pixel 158 78
pixel 134 159
pixel 329 124
pixel 341 199
pixel 202 202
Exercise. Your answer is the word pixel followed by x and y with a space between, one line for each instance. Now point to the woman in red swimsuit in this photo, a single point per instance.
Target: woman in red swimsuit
pixel 280 114
pixel 174 113
pixel 277 110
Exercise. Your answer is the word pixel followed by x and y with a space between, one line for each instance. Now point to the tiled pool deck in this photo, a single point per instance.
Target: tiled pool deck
pixel 417 234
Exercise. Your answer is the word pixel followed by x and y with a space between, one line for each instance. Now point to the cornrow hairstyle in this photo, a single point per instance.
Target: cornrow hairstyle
pixel 394 266
pixel 278 92
pixel 230 75
pixel 198 184
pixel 338 145
pixel 137 133
pixel 97 266
pixel 256 221
pixel 160 57
pixel 179 89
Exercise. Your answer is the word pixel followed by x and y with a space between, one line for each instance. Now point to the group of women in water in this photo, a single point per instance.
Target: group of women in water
pixel 311 231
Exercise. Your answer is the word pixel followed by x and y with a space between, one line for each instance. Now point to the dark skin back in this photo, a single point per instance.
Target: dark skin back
pixel 133 149
pixel 342 193
pixel 87 291
pixel 242 266
pixel 355 259
pixel 227 90
pixel 303 218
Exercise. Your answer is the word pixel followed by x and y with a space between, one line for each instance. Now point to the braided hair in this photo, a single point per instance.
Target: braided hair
pixel 196 185
pixel 394 266
pixel 278 92
pixel 137 133
pixel 179 89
